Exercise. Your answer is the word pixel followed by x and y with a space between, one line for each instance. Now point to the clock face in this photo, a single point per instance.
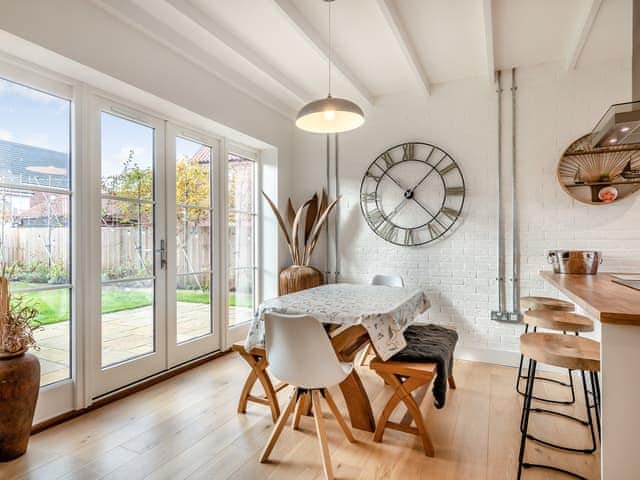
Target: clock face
pixel 412 194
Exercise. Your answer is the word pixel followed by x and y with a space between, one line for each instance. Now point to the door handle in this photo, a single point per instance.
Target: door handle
pixel 163 254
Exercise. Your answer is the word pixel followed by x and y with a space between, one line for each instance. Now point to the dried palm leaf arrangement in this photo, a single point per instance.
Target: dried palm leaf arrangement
pixel 17 321
pixel 302 241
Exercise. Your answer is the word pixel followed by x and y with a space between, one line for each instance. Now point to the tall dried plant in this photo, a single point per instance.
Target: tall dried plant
pixel 302 241
pixel 17 320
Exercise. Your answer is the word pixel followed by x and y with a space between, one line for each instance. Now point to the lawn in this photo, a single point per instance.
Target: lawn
pixel 53 305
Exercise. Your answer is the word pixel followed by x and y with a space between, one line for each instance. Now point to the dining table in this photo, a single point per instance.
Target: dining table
pixel 353 315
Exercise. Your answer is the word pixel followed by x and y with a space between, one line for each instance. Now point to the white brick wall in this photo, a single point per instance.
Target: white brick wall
pixel 458 273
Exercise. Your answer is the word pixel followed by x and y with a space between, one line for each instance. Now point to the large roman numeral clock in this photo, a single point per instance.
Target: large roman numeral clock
pixel 412 194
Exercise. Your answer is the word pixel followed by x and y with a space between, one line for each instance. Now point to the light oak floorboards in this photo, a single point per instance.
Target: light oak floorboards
pixel 187 428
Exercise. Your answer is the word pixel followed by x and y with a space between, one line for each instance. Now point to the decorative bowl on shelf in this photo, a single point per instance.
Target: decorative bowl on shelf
pixel 608 194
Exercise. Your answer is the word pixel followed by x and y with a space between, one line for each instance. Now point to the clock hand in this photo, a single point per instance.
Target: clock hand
pixel 408 194
pixel 433 167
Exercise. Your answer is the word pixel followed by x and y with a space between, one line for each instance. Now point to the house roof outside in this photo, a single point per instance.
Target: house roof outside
pixel 27 165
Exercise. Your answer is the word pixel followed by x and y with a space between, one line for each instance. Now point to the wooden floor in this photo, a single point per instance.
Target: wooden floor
pixel 187 427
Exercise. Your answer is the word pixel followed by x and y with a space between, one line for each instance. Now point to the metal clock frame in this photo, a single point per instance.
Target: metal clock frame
pixel 444 198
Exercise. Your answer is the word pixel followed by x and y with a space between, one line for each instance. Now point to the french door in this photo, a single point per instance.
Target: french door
pixel 156 298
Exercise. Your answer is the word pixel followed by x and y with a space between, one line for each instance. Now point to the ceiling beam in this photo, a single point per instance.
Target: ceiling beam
pixel 215 29
pixel 577 46
pixel 142 21
pixel 489 46
pixel 304 27
pixel 391 16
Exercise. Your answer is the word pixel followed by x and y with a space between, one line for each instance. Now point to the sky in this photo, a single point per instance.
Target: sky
pixel 42 120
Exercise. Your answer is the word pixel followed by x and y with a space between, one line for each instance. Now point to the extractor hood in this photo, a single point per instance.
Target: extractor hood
pixel 620 125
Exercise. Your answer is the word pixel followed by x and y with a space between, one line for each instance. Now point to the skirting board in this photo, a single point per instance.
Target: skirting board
pixel 497 357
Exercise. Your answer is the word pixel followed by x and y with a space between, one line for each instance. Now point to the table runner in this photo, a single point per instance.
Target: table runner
pixel 385 312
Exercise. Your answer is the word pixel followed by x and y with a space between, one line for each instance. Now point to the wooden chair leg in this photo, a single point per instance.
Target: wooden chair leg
pixel 297 415
pixel 367 352
pixel 387 411
pixel 452 383
pixel 277 430
pixel 414 410
pixel 322 435
pixel 246 392
pixel 267 386
pixel 339 418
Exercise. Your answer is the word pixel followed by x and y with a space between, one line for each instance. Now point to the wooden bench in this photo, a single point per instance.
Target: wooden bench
pixel 404 378
pixel 257 360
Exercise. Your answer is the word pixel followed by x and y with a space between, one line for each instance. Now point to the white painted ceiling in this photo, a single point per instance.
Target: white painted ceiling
pixel 276 50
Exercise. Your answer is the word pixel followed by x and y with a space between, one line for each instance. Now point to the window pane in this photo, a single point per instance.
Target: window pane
pixel 193 240
pixel 193 304
pixel 241 240
pixel 127 321
pixel 241 300
pixel 193 166
pixel 241 184
pixel 34 236
pixel 53 337
pixel 34 137
pixel 127 158
pixel 127 239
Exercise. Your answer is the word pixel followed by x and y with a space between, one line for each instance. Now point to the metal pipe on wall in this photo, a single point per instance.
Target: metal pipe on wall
pixel 502 313
pixel 336 218
pixel 515 232
pixel 500 233
pixel 327 271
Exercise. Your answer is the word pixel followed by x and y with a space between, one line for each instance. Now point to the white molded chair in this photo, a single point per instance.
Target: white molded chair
pixel 299 352
pixel 385 281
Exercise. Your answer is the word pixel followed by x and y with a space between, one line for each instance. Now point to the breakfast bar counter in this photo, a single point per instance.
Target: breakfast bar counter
pixel 617 308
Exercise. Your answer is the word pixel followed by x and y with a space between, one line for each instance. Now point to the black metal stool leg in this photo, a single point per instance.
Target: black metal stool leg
pixel 570 385
pixel 588 422
pixel 526 410
pixel 596 399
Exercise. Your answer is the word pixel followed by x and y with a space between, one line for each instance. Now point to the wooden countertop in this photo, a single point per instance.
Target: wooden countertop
pixel 598 295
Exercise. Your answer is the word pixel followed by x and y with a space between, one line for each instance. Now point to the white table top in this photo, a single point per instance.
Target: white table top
pixel 385 312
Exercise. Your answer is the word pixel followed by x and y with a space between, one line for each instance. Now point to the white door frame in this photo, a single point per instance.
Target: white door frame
pixel 114 377
pixel 190 349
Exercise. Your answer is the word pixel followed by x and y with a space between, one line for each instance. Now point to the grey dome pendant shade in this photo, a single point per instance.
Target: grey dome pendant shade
pixel 330 115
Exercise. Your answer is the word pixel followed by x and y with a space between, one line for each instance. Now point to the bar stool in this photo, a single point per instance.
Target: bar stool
pixel 572 353
pixel 552 305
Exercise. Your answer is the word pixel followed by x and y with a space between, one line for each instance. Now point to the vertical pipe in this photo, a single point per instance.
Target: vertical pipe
pixel 336 217
pixel 515 267
pixel 500 233
pixel 327 271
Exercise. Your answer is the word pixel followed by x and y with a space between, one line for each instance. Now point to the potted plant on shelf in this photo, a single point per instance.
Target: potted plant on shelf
pixel 301 242
pixel 19 372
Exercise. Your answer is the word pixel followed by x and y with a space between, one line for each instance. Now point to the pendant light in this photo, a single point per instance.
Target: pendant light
pixel 331 114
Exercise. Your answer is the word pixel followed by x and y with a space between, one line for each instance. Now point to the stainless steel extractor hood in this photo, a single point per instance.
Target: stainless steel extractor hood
pixel 620 125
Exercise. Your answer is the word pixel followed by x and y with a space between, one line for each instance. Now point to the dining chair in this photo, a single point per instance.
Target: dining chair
pixel 300 353
pixel 385 281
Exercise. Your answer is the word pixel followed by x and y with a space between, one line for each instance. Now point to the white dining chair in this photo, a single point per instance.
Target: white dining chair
pixel 385 281
pixel 300 353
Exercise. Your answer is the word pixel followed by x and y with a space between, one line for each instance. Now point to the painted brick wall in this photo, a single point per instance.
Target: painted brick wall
pixel 458 273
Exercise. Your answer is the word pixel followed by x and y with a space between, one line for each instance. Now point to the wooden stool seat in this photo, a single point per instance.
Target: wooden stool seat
pixel 257 360
pixel 534 303
pixel 564 351
pixel 558 320
pixel 405 377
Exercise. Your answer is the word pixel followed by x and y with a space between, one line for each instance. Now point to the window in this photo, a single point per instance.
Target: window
pixel 242 238
pixel 35 209
pixel 127 231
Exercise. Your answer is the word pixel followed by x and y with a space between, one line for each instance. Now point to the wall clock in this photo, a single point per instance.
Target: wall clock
pixel 412 194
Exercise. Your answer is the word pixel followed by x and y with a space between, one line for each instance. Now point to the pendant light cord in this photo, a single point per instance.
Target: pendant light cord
pixel 330 47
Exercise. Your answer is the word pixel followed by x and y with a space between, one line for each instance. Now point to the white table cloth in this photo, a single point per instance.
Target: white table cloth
pixel 385 312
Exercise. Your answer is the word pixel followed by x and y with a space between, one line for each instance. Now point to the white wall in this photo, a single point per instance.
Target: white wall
pixel 554 107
